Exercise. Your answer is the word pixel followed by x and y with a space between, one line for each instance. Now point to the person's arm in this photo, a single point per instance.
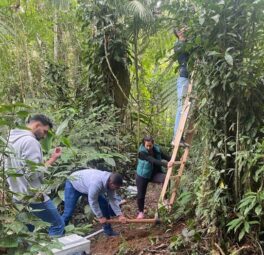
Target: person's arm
pixel 93 195
pixel 165 156
pixel 149 158
pixel 55 155
pixel 114 203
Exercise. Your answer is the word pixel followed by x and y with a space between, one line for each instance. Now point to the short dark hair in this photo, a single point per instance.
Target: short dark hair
pixel 41 118
pixel 147 138
pixel 116 179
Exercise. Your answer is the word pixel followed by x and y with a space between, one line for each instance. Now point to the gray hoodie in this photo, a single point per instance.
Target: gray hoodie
pixel 93 182
pixel 23 146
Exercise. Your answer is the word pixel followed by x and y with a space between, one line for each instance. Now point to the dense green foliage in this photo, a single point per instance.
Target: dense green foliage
pixel 106 73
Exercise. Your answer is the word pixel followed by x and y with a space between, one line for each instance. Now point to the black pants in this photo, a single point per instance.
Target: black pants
pixel 142 184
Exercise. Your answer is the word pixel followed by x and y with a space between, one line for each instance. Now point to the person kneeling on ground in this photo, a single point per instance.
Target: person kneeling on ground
pixel 149 169
pixel 94 183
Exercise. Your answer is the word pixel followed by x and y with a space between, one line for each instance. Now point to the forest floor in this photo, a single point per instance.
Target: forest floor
pixel 138 239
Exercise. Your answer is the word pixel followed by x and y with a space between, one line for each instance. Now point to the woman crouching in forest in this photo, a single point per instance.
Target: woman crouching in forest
pixel 149 169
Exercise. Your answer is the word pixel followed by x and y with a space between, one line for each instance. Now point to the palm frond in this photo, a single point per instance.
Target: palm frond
pixel 139 10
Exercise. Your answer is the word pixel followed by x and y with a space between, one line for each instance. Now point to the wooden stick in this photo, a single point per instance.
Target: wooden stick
pixel 143 221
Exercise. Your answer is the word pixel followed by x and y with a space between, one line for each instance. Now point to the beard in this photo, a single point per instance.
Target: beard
pixel 38 135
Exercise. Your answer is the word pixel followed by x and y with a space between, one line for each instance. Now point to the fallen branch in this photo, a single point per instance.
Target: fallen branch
pixel 240 249
pixel 219 248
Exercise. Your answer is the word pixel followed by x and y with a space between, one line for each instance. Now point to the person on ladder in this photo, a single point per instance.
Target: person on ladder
pixel 182 54
pixel 149 169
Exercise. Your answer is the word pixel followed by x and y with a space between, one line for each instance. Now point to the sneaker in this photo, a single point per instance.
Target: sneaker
pixel 140 216
pixel 183 143
pixel 111 233
pixel 108 231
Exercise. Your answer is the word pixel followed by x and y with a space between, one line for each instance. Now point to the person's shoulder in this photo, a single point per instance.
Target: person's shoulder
pixel 96 174
pixel 30 141
pixel 156 146
pixel 141 148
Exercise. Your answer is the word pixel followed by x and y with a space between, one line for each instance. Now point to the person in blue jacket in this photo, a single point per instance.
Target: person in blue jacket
pixel 149 169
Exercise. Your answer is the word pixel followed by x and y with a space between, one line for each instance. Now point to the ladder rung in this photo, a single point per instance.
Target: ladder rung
pixel 189 131
pixel 175 176
pixel 182 162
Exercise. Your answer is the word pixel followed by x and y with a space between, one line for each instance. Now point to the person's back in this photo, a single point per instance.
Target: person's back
pixel 84 180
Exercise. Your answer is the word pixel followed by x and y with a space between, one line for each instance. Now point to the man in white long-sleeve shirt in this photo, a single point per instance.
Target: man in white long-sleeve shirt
pixel 95 184
pixel 24 147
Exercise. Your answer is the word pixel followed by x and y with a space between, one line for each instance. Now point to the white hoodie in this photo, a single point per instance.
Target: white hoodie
pixel 24 146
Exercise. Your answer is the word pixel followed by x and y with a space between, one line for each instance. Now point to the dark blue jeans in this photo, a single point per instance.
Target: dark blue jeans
pixel 71 196
pixel 48 213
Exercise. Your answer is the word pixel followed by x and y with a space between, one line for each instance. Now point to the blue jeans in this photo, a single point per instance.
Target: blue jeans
pixel 71 196
pixel 182 88
pixel 48 213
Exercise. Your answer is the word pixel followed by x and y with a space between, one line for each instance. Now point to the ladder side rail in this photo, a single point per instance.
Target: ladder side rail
pixel 184 159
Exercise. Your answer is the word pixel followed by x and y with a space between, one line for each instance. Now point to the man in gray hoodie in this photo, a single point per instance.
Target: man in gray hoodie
pixel 95 184
pixel 25 157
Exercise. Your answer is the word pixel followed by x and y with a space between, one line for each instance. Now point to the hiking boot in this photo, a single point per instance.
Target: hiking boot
pixel 140 216
pixel 108 231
